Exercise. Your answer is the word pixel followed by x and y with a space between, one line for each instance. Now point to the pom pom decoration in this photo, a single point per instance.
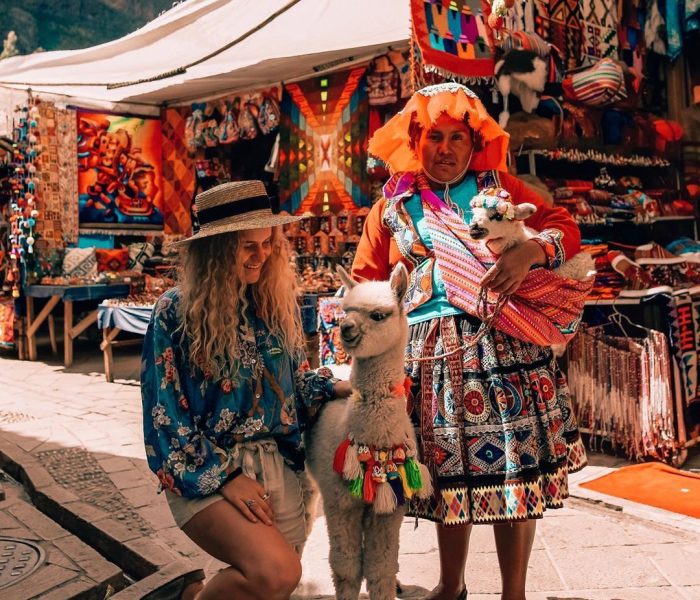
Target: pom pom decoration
pixel 339 457
pixel 23 212
pixel 383 477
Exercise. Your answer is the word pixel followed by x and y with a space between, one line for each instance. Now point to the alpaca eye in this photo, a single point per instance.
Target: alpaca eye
pixel 377 316
pixel 497 217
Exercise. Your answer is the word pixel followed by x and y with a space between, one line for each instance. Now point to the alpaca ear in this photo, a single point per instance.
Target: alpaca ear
pixel 399 281
pixel 347 281
pixel 525 210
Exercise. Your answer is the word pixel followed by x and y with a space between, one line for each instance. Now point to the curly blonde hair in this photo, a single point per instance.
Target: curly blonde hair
pixel 215 299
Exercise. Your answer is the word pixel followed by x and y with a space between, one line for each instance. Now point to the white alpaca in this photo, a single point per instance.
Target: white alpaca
pixel 499 223
pixel 364 537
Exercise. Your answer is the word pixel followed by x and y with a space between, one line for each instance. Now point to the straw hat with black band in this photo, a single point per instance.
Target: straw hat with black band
pixel 235 206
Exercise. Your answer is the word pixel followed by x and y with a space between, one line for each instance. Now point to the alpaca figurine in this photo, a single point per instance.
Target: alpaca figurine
pixel 362 451
pixel 496 220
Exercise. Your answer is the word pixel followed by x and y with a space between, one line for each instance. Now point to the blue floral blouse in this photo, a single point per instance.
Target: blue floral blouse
pixel 193 421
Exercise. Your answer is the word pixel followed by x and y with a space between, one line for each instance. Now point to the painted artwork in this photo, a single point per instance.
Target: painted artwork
pixel 119 172
pixel 323 144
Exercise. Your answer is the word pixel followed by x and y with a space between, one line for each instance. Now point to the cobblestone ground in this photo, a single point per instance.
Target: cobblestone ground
pixel 85 437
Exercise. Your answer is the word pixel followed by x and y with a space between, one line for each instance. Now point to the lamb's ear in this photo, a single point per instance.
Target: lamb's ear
pixel 347 281
pixel 525 210
pixel 399 281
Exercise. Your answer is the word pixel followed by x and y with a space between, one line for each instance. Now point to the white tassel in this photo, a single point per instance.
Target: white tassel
pixel 385 500
pixel 427 490
pixel 352 468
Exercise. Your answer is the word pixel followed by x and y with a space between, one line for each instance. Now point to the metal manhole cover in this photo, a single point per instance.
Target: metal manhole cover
pixel 18 559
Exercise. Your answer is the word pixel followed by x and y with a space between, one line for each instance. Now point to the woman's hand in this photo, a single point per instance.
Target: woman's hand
pixel 512 267
pixel 250 498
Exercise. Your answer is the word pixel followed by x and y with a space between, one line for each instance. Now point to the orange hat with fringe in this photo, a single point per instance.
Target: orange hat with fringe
pixel 392 142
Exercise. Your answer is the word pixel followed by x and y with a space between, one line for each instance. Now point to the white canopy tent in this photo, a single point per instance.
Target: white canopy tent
pixel 205 48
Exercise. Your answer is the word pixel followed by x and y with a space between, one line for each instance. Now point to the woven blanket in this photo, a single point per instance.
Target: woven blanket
pixel 545 310
pixel 453 38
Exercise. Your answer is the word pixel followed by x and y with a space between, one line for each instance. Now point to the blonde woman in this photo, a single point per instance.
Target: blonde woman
pixel 226 392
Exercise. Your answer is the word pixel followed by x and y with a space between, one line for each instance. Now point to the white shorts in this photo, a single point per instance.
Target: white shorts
pixel 262 461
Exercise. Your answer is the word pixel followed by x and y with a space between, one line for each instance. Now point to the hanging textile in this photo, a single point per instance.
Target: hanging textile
pixel 453 38
pixel 521 17
pixel 685 331
pixel 674 28
pixel 67 134
pixel 323 144
pixel 559 23
pixel 178 173
pixel 119 173
pixel 599 26
pixel 49 227
pixel 621 391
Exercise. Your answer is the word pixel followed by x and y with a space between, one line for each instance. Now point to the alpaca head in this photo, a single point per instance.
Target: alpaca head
pixel 495 217
pixel 375 318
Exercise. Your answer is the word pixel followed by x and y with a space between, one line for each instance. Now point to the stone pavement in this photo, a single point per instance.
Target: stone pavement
pixel 76 443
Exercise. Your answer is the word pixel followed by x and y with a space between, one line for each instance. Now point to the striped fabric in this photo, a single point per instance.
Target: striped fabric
pixel 602 84
pixel 546 309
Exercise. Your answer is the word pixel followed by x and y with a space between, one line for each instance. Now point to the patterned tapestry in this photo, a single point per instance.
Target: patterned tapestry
pixel 57 225
pixel 67 134
pixel 48 226
pixel 685 328
pixel 453 38
pixel 178 172
pixel 119 173
pixel 323 144
pixel 599 26
pixel 565 30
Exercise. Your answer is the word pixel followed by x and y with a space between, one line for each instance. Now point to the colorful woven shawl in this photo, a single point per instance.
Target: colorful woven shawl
pixel 545 310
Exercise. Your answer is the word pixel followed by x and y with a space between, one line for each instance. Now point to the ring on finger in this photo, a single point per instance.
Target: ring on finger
pixel 265 496
pixel 249 503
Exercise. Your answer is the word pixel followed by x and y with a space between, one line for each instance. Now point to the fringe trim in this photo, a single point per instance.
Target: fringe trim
pixel 463 79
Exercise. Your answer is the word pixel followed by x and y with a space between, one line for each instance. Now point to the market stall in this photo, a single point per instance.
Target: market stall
pixel 602 122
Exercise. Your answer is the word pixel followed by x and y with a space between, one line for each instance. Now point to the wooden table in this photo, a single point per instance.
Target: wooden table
pixel 115 319
pixel 67 294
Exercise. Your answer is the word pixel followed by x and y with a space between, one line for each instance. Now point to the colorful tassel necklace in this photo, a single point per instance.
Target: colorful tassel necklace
pixel 383 477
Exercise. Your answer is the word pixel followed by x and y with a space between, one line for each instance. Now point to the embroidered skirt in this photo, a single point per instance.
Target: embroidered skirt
pixel 494 425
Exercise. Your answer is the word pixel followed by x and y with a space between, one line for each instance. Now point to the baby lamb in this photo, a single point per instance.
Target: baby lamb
pixel 362 451
pixel 498 222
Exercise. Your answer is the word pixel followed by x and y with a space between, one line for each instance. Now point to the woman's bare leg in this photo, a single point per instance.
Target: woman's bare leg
pixel 453 544
pixel 263 566
pixel 513 546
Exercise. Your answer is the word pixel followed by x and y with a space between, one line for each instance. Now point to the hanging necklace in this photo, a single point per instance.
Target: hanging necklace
pixel 448 200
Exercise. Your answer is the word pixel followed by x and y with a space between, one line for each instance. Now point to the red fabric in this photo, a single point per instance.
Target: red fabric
pixel 377 253
pixel 112 260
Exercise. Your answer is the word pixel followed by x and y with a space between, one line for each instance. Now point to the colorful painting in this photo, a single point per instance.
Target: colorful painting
pixel 119 172
pixel 323 144
pixel 453 37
